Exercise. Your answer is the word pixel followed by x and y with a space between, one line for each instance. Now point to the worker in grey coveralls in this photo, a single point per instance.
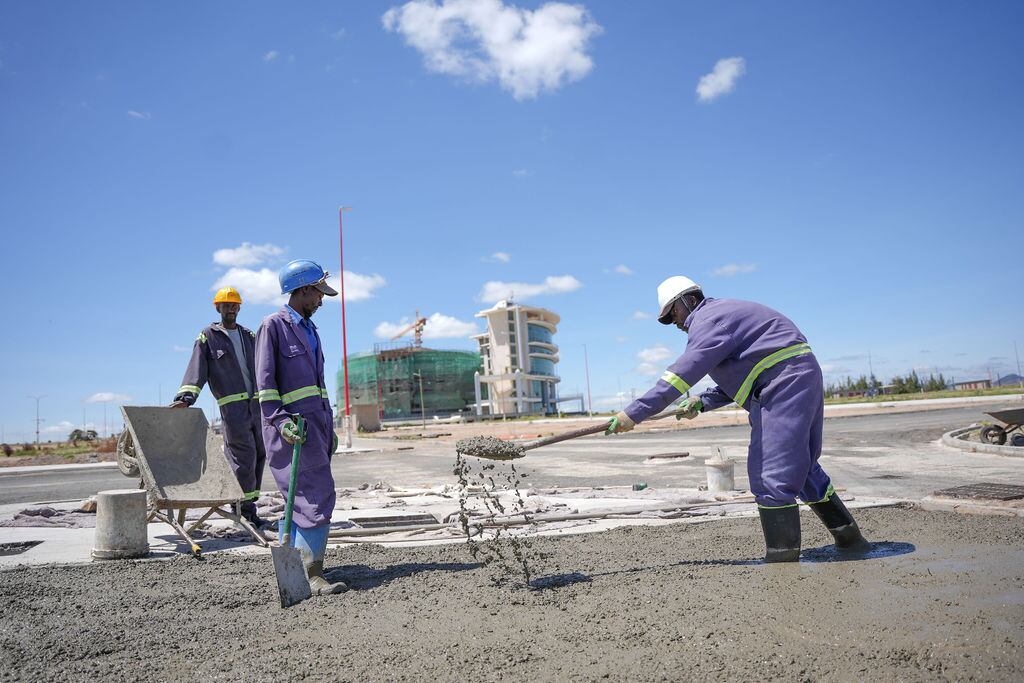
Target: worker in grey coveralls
pixel 224 355
pixel 290 381
pixel 763 363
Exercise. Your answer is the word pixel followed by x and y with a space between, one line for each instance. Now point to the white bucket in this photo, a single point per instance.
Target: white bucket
pixel 720 472
pixel 120 525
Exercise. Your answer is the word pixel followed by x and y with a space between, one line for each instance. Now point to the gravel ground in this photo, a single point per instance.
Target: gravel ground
pixel 683 601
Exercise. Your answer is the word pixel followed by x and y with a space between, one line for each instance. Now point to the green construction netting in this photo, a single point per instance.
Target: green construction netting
pixel 390 379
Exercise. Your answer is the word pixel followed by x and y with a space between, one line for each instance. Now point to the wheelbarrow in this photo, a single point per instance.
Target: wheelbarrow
pixel 996 434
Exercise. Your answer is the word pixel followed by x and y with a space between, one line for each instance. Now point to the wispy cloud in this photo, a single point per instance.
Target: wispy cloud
pixel 520 173
pixel 730 269
pixel 641 315
pixel 438 326
pixel 247 254
pixel 721 80
pixel 271 56
pixel 501 256
pixel 177 348
pixel 495 290
pixel 526 51
pixel 108 397
pixel 652 360
pixel 262 286
pixel 623 270
pixel 339 34
pixel 62 427
pixel 140 115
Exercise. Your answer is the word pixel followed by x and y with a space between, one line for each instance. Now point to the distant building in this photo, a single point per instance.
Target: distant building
pixel 519 358
pixel 973 384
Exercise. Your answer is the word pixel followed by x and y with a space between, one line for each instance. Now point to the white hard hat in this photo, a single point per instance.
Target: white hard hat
pixel 670 290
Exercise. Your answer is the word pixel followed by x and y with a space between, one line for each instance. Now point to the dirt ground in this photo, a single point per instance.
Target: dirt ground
pixel 943 599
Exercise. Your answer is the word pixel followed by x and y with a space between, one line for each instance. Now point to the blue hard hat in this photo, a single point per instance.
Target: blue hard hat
pixel 302 272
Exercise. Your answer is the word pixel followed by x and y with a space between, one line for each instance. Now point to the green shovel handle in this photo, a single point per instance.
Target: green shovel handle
pixel 286 540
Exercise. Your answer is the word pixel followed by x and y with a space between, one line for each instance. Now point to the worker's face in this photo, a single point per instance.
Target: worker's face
pixel 310 300
pixel 680 312
pixel 228 313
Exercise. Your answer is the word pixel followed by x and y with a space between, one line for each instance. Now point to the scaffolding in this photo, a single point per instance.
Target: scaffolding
pixel 396 374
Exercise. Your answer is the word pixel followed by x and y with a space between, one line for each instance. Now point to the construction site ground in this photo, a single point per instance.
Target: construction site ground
pixel 657 595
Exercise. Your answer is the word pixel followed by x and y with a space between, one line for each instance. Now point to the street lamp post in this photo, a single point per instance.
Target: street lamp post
pixel 344 337
pixel 586 369
pixel 423 409
pixel 37 400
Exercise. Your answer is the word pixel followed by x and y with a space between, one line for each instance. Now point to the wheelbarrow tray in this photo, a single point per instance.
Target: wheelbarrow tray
pixel 1010 417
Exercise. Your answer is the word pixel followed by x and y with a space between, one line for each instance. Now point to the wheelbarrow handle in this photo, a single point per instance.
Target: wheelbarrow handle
pixel 286 539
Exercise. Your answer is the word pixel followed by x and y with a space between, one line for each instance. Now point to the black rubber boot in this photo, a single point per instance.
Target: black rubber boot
pixel 838 520
pixel 781 528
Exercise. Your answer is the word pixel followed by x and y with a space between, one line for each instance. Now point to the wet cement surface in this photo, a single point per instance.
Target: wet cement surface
pixel 683 601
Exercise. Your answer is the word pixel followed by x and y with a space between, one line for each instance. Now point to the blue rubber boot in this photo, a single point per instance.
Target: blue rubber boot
pixel 312 544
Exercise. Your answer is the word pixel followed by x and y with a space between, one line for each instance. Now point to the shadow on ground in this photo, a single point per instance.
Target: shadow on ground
pixel 362 577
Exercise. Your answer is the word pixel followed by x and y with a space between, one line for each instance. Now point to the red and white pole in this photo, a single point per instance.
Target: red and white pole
pixel 344 337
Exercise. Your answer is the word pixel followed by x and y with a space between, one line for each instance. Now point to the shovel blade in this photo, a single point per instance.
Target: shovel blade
pixel 292 585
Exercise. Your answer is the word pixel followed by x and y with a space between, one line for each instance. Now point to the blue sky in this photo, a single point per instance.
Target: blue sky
pixel 857 166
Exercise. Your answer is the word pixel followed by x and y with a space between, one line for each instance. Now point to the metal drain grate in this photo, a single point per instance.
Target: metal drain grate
pixel 986 491
pixel 393 520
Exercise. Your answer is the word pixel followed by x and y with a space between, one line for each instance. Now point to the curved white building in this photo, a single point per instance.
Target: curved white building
pixel 519 361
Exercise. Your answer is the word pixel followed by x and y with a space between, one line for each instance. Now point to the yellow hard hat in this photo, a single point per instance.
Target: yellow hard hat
pixel 227 295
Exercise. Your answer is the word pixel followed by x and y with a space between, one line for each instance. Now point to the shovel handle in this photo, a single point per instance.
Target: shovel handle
pixel 547 441
pixel 286 539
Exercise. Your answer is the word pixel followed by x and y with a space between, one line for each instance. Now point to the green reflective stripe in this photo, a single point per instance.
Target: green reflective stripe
pixel 676 381
pixel 299 394
pixel 777 507
pixel 201 338
pixel 829 492
pixel 244 396
pixel 189 389
pixel 252 495
pixel 268 395
pixel 325 394
pixel 764 364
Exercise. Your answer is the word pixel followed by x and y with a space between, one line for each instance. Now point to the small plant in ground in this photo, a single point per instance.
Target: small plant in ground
pixel 8 451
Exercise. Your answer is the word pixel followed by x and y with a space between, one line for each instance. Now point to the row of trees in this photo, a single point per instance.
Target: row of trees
pixel 912 383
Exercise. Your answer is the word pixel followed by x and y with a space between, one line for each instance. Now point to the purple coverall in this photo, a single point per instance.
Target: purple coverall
pixel 762 362
pixel 290 380
pixel 214 361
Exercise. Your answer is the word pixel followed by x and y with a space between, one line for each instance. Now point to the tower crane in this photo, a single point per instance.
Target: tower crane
pixel 416 327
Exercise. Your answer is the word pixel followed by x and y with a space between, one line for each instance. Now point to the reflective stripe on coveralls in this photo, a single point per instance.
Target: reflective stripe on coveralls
pixel 189 389
pixel 293 396
pixel 829 492
pixel 764 364
pixel 244 396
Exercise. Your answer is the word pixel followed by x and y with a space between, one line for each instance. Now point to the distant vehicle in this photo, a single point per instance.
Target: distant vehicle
pixel 77 435
pixel 217 426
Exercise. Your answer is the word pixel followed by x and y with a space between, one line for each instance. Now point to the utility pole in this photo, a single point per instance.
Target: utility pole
pixel 586 368
pixel 344 337
pixel 1020 378
pixel 423 410
pixel 37 400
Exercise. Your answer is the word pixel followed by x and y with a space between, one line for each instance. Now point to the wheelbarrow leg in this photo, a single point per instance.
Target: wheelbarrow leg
pixel 193 546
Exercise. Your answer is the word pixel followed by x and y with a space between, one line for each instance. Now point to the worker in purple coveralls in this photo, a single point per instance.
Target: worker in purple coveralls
pixel 762 362
pixel 290 382
pixel 224 356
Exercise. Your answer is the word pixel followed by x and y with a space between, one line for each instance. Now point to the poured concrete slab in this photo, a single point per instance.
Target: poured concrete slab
pixel 181 461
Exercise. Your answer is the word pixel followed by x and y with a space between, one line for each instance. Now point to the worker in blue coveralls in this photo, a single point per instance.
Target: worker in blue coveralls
pixel 290 383
pixel 223 356
pixel 761 362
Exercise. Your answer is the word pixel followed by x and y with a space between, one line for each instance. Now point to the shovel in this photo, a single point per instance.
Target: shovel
pixel 292 584
pixel 491 448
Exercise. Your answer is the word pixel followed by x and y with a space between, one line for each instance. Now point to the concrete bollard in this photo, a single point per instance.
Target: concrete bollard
pixel 720 472
pixel 120 525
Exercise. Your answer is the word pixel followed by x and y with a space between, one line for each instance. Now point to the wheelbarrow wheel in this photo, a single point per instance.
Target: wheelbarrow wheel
pixel 126 455
pixel 993 434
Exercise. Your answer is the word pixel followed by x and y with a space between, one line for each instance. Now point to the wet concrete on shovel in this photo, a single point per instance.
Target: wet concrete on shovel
pixel 944 600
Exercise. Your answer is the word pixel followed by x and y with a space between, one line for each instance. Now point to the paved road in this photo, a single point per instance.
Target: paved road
pixel 887 455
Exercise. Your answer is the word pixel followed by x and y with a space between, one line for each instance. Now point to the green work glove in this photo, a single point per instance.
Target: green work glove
pixel 620 423
pixel 689 409
pixel 290 432
pixel 334 441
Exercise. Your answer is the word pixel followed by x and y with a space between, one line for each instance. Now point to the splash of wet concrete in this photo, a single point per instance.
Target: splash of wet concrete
pixel 489 447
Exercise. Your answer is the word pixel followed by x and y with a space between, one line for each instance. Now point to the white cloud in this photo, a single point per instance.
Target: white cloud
pixel 247 254
pixel 180 349
pixel 623 270
pixel 520 173
pixel 525 51
pixel 61 427
pixel 271 56
pixel 652 360
pixel 494 290
pixel 262 286
pixel 439 326
pixel 502 256
pixel 722 78
pixel 339 34
pixel 641 315
pixel 730 269
pixel 142 115
pixel 108 397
